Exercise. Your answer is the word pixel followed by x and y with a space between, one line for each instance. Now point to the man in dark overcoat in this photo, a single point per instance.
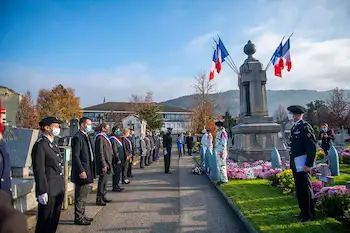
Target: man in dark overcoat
pixel 167 145
pixel 302 156
pixel 82 169
pixel 104 156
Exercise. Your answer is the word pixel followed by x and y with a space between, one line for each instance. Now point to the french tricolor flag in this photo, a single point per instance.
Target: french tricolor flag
pixel 218 59
pixel 277 61
pixel 286 54
pixel 213 65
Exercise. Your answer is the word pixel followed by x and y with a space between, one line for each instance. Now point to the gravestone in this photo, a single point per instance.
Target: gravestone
pixel 324 176
pixel 20 148
pixel 256 134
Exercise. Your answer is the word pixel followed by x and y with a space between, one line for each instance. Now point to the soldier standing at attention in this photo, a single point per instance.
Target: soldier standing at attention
pixel 302 145
pixel 167 144
pixel 48 167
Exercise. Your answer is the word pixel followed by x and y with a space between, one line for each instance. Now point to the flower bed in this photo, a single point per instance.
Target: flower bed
pixel 258 169
pixel 270 211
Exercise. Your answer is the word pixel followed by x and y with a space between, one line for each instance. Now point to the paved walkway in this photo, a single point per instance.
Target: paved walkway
pixel 158 202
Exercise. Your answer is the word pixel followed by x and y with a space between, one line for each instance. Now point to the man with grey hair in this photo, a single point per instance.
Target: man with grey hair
pixel 143 151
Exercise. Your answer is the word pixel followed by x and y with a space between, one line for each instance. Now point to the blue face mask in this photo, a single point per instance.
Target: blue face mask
pixel 88 128
pixel 118 132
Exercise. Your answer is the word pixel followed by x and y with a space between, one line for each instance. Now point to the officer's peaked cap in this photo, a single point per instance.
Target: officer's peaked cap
pixel 219 123
pixel 296 109
pixel 48 121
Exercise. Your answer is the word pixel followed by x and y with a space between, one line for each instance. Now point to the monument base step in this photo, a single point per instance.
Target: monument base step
pixel 256 128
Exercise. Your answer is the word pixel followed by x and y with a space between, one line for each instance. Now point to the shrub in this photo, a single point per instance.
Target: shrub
pixel 286 181
pixel 320 154
pixel 346 216
pixel 334 205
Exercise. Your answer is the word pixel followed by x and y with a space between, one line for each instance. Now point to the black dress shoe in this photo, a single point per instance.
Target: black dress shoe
pixel 89 219
pixel 82 222
pixel 107 200
pixel 305 219
pixel 118 189
pixel 101 203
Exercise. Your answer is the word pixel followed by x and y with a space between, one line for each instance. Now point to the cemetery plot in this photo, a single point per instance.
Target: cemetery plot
pixel 265 196
pixel 270 211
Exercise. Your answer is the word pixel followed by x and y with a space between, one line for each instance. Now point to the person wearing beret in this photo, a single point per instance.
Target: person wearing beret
pixel 302 148
pixel 11 220
pixel 48 166
pixel 221 140
pixel 5 167
pixel 167 145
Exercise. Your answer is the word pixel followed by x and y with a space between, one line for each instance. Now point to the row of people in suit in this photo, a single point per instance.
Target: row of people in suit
pixel 101 156
pixel 149 148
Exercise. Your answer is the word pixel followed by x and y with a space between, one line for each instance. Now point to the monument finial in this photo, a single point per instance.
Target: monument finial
pixel 249 49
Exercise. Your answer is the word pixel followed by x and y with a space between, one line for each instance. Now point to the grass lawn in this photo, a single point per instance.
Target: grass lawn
pixel 272 212
pixel 344 168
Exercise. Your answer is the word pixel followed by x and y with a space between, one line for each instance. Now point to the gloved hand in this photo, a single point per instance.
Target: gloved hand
pixel 165 152
pixel 119 162
pixel 43 199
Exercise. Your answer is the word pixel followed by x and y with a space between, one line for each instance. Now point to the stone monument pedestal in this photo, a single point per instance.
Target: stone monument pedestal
pixel 256 133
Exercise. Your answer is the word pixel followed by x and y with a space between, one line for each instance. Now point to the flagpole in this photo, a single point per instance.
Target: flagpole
pixel 229 55
pixel 268 65
pixel 233 66
pixel 230 59
pixel 230 65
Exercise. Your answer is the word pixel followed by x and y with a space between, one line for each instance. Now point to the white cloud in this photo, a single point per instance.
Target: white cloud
pixel 320 47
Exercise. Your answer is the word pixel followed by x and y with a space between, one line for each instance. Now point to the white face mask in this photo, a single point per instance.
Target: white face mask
pixel 56 131
pixel 290 116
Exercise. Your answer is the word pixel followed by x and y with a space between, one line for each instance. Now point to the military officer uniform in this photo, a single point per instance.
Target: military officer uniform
pixel 48 167
pixel 5 169
pixel 303 142
pixel 167 145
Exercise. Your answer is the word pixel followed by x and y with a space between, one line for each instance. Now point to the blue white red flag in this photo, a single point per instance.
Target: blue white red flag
pixel 223 49
pixel 218 59
pixel 277 61
pixel 213 65
pixel 286 54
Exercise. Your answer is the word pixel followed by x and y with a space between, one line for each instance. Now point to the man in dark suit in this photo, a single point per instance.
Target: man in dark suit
pixel 5 167
pixel 132 139
pixel 104 156
pixel 118 151
pixel 189 143
pixel 127 156
pixel 48 166
pixel 167 144
pixel 11 220
pixel 82 169
pixel 302 148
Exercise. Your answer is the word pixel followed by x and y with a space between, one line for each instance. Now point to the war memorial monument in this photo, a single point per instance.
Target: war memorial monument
pixel 256 134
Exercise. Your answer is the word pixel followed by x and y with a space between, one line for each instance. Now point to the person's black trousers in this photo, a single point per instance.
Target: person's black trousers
pixel 129 171
pixel 167 160
pixel 101 188
pixel 303 186
pixel 117 175
pixel 80 195
pixel 189 150
pixel 49 214
pixel 125 165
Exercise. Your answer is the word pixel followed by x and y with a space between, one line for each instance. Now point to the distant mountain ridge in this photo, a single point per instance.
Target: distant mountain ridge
pixel 229 100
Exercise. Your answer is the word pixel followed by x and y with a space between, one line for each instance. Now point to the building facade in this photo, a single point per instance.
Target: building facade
pixel 114 112
pixel 10 104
